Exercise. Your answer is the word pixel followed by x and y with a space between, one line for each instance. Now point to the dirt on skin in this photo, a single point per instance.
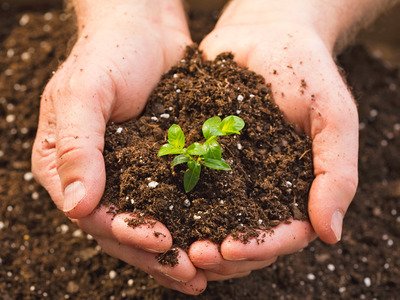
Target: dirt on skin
pixel 271 164
pixel 43 255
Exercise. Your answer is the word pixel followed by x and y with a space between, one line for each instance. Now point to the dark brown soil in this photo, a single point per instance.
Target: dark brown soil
pixel 271 164
pixel 43 255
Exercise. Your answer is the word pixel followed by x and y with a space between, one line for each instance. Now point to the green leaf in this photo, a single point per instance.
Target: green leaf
pixel 210 140
pixel 211 127
pixel 180 159
pixel 216 164
pixel 231 125
pixel 197 149
pixel 191 176
pixel 214 149
pixel 168 149
pixel 176 137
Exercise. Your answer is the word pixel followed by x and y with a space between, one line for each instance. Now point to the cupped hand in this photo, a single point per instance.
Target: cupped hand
pixel 116 62
pixel 309 89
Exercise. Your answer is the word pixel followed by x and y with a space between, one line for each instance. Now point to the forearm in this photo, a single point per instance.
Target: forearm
pixel 334 20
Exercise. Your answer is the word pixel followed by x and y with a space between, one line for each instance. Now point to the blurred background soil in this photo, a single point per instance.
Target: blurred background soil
pixel 43 255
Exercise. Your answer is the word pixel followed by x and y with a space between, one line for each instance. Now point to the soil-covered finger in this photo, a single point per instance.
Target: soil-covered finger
pixel 193 287
pixel 98 223
pixel 178 266
pixel 150 236
pixel 105 223
pixel 184 271
pixel 285 239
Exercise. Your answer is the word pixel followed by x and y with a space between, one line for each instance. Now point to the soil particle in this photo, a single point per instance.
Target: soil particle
pixel 303 84
pixel 72 287
pixel 169 258
pixel 271 164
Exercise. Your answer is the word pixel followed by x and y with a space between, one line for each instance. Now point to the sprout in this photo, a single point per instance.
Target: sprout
pixel 196 155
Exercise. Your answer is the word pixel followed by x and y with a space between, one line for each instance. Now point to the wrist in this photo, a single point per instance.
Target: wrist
pixel 127 13
pixel 335 22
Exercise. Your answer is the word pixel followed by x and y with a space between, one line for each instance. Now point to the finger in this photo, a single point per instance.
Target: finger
pixel 335 151
pixel 211 276
pixel 193 287
pixel 69 153
pixel 98 223
pixel 205 255
pixel 80 137
pixel 153 237
pixel 44 166
pixel 184 271
pixel 285 239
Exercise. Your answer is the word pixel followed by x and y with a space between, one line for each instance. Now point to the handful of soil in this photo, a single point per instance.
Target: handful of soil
pixel 271 164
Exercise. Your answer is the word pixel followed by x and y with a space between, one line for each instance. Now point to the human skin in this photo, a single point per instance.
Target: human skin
pixel 123 48
pixel 292 44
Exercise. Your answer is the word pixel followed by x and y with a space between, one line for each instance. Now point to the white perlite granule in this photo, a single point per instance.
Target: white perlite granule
pixel 152 184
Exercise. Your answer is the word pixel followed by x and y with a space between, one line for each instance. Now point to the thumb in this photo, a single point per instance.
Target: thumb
pixel 81 111
pixel 335 150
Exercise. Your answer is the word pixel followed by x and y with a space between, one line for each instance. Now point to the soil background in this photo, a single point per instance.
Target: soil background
pixel 43 255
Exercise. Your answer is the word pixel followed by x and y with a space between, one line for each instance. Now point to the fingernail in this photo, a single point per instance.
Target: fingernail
pixel 73 194
pixel 336 224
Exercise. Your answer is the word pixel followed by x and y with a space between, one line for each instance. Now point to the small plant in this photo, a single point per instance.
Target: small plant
pixel 207 154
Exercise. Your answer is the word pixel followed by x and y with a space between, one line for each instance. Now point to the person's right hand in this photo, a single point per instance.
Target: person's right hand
pixel 120 54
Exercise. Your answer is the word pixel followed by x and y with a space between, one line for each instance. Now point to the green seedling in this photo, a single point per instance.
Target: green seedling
pixel 196 155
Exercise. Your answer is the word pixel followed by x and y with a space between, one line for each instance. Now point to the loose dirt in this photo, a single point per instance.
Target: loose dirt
pixel 271 164
pixel 44 255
